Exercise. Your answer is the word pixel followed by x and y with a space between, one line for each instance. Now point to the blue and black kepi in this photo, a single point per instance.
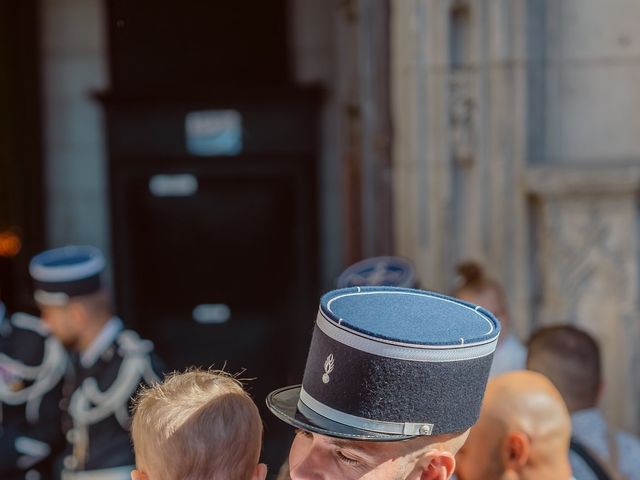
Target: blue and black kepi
pixel 66 272
pixel 389 363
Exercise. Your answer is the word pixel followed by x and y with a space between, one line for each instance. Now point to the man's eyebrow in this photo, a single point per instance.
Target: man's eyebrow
pixel 360 447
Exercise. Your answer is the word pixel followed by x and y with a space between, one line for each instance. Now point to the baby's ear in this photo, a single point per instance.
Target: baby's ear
pixel 260 473
pixel 138 475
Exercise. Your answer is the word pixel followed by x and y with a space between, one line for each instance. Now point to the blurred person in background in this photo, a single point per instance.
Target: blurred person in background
pixel 108 362
pixel 523 432
pixel 570 358
pixel 32 368
pixel 474 286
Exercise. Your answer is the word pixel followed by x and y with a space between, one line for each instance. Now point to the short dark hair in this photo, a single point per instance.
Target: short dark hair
pixel 473 278
pixel 570 358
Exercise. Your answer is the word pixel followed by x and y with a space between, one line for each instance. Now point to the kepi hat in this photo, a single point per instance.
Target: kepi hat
pixel 66 272
pixel 389 363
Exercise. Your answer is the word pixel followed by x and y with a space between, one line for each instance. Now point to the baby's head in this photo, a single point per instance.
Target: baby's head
pixel 197 425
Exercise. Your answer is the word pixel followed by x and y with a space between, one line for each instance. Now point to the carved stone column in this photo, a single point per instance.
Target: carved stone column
pixel 585 225
pixel 459 118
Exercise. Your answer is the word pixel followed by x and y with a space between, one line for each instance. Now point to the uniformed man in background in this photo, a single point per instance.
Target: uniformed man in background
pixel 109 362
pixel 32 368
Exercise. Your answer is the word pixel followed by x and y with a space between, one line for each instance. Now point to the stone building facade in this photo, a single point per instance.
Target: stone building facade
pixel 517 142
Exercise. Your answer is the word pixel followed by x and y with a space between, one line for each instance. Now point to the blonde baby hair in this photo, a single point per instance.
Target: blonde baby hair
pixel 196 425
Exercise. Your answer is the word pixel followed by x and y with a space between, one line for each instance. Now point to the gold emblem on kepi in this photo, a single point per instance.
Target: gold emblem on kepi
pixel 328 368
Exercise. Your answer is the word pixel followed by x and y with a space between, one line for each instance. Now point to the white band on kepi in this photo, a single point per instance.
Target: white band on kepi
pixel 307 402
pixel 93 264
pixel 399 351
pixel 55 299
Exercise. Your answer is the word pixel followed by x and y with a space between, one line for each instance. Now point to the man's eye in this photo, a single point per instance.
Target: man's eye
pixel 304 433
pixel 345 459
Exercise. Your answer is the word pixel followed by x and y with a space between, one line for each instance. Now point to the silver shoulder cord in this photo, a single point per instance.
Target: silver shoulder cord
pixel 90 405
pixel 44 376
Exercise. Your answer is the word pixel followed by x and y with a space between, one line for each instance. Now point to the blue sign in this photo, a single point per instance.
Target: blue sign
pixel 214 132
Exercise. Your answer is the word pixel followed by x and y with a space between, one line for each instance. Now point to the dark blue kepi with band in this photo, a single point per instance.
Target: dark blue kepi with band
pixel 66 272
pixel 389 364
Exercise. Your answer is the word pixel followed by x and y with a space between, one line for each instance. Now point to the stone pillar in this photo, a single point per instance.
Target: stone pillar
pixel 362 91
pixel 459 98
pixel 74 65
pixel 314 43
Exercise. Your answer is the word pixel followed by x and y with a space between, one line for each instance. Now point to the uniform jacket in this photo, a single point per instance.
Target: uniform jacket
pixel 98 399
pixel 32 368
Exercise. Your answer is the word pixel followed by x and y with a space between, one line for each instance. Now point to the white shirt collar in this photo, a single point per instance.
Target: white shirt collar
pixel 105 338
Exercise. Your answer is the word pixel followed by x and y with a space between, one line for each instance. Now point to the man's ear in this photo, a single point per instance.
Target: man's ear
pixel 260 473
pixel 436 465
pixel 516 448
pixel 138 475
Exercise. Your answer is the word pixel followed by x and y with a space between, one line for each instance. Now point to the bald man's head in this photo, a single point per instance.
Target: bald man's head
pixel 523 431
pixel 529 402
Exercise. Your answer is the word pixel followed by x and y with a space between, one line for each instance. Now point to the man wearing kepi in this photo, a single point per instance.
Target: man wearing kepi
pixel 109 363
pixel 393 382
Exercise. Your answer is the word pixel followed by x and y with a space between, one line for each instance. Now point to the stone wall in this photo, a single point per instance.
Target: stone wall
pixel 459 140
pixel 516 143
pixel 73 67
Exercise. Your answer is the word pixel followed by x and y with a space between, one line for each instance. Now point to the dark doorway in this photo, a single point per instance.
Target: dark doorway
pixel 216 257
pixel 212 160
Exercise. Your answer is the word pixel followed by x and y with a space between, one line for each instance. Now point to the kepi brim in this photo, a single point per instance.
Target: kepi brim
pixel 283 403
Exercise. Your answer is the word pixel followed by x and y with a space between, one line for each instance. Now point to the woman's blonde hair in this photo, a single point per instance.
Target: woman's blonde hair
pixel 196 425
